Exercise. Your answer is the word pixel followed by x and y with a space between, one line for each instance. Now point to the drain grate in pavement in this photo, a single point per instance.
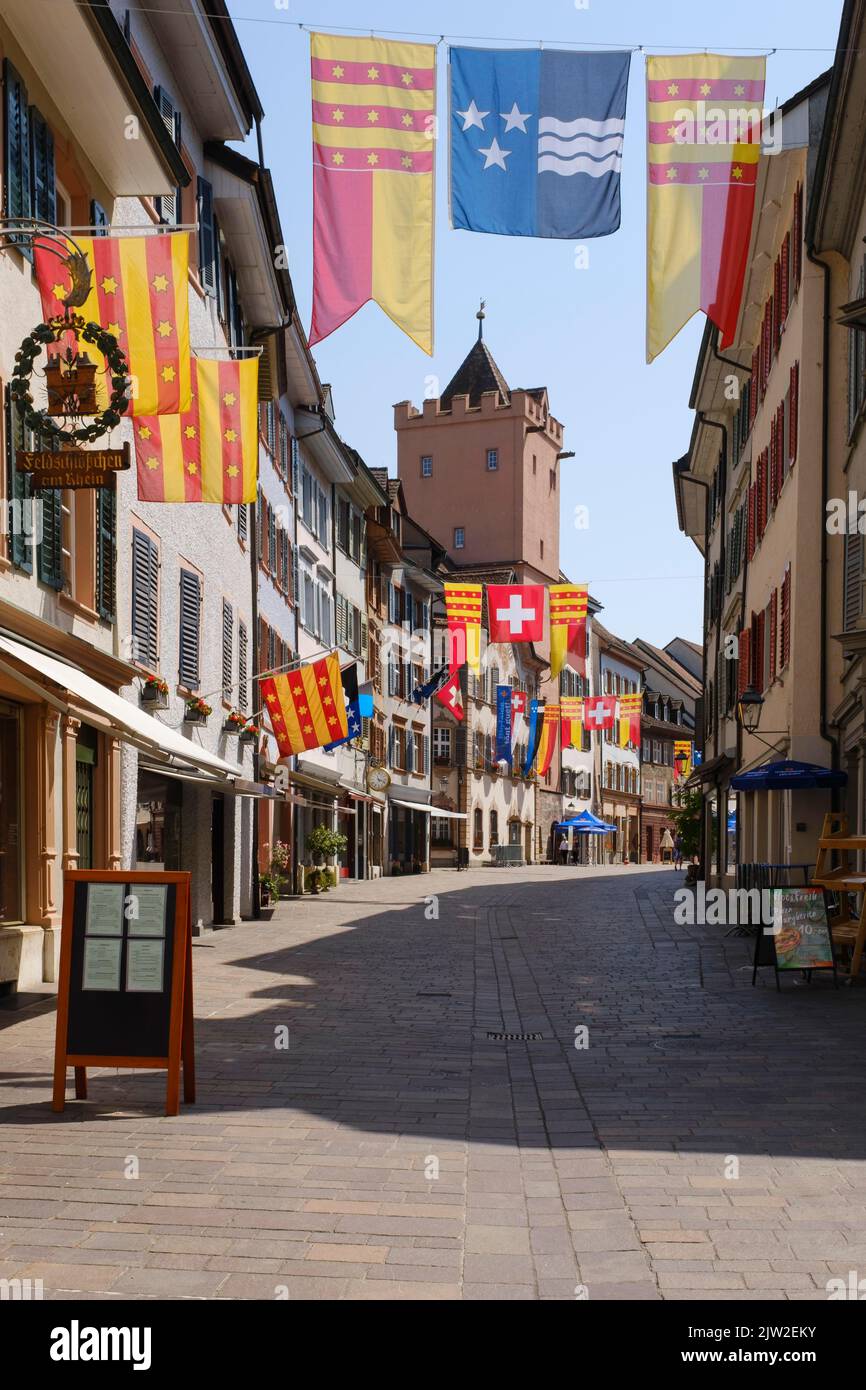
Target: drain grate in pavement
pixel 515 1037
pixel 667 1038
pixel 432 994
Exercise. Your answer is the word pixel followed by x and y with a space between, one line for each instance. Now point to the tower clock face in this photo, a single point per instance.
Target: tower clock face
pixel 378 779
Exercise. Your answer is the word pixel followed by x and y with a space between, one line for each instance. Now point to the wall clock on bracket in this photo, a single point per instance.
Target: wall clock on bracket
pixel 378 779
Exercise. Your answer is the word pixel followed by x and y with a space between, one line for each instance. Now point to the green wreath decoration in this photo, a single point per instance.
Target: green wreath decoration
pixel 19 387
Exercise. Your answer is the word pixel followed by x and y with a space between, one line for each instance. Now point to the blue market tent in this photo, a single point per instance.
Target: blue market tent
pixel 585 824
pixel 786 774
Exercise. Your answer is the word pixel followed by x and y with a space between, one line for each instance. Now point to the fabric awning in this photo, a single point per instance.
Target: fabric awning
pixel 428 809
pixel 586 824
pixel 130 723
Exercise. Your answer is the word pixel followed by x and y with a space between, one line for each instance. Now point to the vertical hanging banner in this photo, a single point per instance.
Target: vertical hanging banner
pixel 503 723
pixel 536 141
pixel 536 715
pixel 629 719
pixel 211 452
pixel 704 114
pixel 682 759
pixel 518 717
pixel 568 610
pixel 571 707
pixel 463 614
pixel 139 294
pixel 374 111
pixel 547 742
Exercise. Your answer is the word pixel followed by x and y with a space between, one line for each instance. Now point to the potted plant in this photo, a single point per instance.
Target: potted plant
pixel 323 843
pixel 251 732
pixel 281 865
pixel 154 692
pixel 197 711
pixel 314 881
pixel 269 893
pixel 234 722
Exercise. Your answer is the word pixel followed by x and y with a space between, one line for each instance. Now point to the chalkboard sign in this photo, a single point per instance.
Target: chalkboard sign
pixel 125 990
pixel 799 937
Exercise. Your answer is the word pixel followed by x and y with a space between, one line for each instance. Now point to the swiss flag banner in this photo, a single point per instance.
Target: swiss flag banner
pixel 451 697
pixel 599 712
pixel 515 612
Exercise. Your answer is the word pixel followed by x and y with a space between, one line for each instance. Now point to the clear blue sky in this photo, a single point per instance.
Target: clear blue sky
pixel 579 332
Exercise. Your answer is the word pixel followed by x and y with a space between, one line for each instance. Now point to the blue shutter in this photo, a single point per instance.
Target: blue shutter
pixel 207 261
pixel 43 200
pixel 190 629
pixel 16 150
pixel 21 518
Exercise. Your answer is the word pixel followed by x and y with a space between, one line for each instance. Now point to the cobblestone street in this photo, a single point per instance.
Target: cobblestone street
pixel 396 1151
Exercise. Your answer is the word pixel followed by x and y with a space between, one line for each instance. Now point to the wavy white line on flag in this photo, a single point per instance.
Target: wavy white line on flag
pixel 550 125
pixel 580 164
pixel 580 144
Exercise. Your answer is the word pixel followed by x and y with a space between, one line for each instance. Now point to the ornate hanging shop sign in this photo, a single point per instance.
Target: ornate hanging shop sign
pixel 72 417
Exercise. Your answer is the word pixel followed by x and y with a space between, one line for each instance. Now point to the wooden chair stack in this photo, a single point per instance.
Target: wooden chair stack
pixel 843 878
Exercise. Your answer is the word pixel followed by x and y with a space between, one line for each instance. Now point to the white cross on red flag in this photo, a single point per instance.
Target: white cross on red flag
pixel 599 712
pixel 515 612
pixel 451 696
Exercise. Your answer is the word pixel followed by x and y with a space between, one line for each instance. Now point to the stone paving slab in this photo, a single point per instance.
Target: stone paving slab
pixel 707 1142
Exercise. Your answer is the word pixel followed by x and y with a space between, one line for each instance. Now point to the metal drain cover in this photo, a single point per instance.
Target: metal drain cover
pixel 515 1037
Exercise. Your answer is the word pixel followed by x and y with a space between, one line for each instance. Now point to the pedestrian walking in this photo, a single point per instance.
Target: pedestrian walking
pixel 563 850
pixel 678 852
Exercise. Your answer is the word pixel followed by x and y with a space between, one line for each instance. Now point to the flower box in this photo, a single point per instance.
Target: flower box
pixel 250 734
pixel 154 698
pixel 197 712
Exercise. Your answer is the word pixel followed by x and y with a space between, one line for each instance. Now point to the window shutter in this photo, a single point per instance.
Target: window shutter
pixel 190 628
pixel 753 388
pixel 776 303
pixel 243 685
pixel 774 624
pixel 207 265
pixel 786 617
pixel 750 544
pixel 364 638
pixel 168 205
pixel 16 149
pixel 243 521
pixel 49 566
pixel 296 465
pixel 21 518
pixel 744 660
pixel 794 409
pixel 852 597
pixel 106 552
pixel 228 652
pixel 797 238
pixel 43 201
pixel 145 599
pixel 296 587
pixel 785 279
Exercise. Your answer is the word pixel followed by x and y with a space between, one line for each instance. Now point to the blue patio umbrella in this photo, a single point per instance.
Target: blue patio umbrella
pixel 786 774
pixel 585 824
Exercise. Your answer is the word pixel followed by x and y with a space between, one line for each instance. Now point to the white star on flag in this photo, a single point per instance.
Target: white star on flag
pixel 515 119
pixel 472 116
pixel 494 155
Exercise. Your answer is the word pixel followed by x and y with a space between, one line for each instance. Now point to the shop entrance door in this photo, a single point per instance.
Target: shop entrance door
pixel 11 890
pixel 86 746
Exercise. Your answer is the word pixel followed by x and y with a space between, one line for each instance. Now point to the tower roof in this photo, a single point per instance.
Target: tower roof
pixel 477 373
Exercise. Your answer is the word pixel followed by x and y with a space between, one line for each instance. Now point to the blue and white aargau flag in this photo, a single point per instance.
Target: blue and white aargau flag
pixel 536 141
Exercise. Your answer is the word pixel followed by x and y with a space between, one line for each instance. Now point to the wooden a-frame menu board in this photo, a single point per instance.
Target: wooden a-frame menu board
pixel 124 997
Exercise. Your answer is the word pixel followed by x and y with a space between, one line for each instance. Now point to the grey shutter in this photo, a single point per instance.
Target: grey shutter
pixel 460 746
pixel 49 565
pixel 106 552
pixel 853 579
pixel 296 588
pixel 243 520
pixel 296 467
pixel 243 688
pixel 207 262
pixel 43 201
pixel 228 649
pixel 21 519
pixel 16 150
pixel 168 206
pixel 145 599
pixel 190 628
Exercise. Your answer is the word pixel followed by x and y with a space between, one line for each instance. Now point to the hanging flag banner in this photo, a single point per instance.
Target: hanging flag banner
pixel 629 719
pixel 682 759
pixel 451 696
pixel 571 707
pixel 138 293
pixel 536 141
pixel 503 723
pixel 518 717
pixel 568 610
pixel 359 706
pixel 307 707
pixel 599 712
pixel 515 612
pixel 536 716
pixel 422 693
pixel 547 742
pixel 211 452
pixel 704 141
pixel 463 614
pixel 374 105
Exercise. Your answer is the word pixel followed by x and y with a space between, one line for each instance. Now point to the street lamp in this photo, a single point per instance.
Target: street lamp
pixel 749 707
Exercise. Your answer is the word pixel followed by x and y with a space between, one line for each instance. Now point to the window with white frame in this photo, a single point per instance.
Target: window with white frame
pixel 426 466
pixel 442 744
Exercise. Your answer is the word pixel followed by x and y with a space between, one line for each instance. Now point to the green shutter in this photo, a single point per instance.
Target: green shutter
pixel 43 202
pixel 16 149
pixel 21 515
pixel 106 552
pixel 50 553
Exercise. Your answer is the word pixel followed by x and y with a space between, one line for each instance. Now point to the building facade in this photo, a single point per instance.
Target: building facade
pixel 618 768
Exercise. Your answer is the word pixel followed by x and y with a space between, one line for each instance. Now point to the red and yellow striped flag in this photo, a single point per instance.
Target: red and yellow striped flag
pixel 682 759
pixel 210 453
pixel 547 743
pixel 138 293
pixel 374 105
pixel 629 719
pixel 568 610
pixel 307 708
pixel 463 612
pixel 572 721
